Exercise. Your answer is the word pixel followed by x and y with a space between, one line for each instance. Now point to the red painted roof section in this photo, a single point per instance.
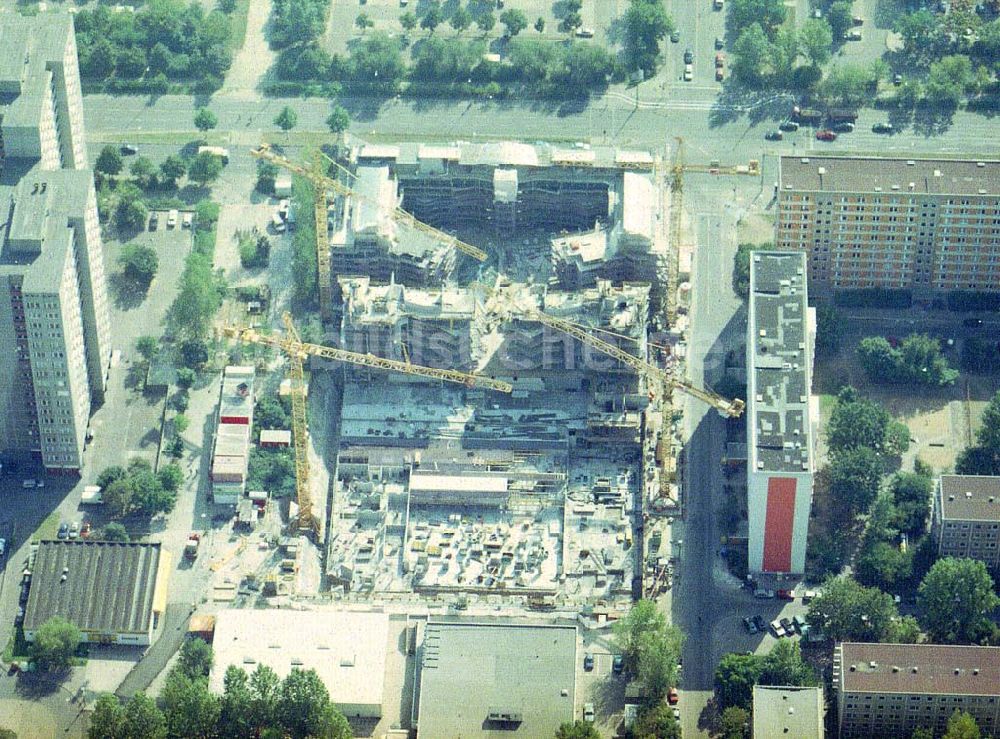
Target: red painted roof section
pixel 778 524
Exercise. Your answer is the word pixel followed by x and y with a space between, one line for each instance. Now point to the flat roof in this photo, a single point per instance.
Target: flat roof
pixel 275 436
pixel 527 670
pixel 236 395
pixel 109 586
pixel 780 363
pixel 970 497
pixel 889 175
pixel 458 483
pixel 919 668
pixel 787 711
pixel 346 648
pixel 511 154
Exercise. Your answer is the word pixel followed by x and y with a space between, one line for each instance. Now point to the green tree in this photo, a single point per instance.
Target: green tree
pixel 108 718
pixel 408 21
pixel 658 659
pixel 185 378
pixel 655 721
pixel 377 62
pixel 955 599
pixel 143 719
pixel 829 329
pixel 911 493
pixel 139 263
pixel 205 120
pixel 117 497
pixel 305 709
pixel 846 85
pixel 287 119
pixel 205 168
pixel 540 24
pixel 646 25
pixel 769 14
pixel 751 53
pixel 816 38
pixel 432 17
pixel 338 120
pixel 190 709
pixel 195 659
pixel 856 422
pixel 56 641
pixel 846 611
pixel 922 36
pixel 172 169
pixel 460 19
pixel 181 423
pixel 855 477
pixel 194 353
pixel 961 725
pixel 741 267
pixel 586 66
pixel 632 631
pixel 144 171
pixel 983 457
pixel 784 665
pixel 486 21
pixel 883 565
pixel 514 20
pixel 363 22
pixel 265 689
pixel 735 723
pixel 784 53
pixel 735 676
pixel 948 79
pixel 109 161
pixel 234 706
pixel 130 215
pixel 147 346
pixel 109 475
pixel 170 476
pixel 577 730
pixel 841 18
pixel 114 532
pixel 921 362
pixel 897 439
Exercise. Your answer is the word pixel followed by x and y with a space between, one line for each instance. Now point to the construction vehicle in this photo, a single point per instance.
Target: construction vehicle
pixel 807 115
pixel 842 115
pixel 322 184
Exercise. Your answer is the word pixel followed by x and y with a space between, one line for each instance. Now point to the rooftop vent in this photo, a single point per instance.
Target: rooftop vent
pixel 873 664
pixel 878 189
pixel 968 495
pixel 913 670
pixel 895 187
pixel 951 498
pixel 992 498
pixel 910 163
pixel 821 170
pixel 958 671
pixel 912 185
pixel 975 671
pixel 854 668
pixel 980 164
pixel 895 668
pixel 937 172
pixel 982 191
pixel 805 160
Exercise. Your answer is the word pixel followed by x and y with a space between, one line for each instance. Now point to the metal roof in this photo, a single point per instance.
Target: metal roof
pixel 919 669
pixel 100 586
pixel 970 497
pixel 889 175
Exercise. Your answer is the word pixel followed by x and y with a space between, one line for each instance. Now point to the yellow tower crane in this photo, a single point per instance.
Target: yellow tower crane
pixel 322 183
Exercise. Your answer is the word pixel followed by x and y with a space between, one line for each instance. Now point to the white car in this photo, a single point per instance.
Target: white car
pixel 172 219
pixel 3 547
pixel 688 72
pixel 187 219
pixel 588 712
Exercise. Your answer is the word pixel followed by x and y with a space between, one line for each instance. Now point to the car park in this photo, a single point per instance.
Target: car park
pixel 688 72
pixel 882 128
pixel 172 218
pixel 588 662
pixel 187 219
pixel 826 135
pixel 154 220
pixel 845 127
pixel 588 712
pixel 688 56
pixel 789 126
pixel 74 530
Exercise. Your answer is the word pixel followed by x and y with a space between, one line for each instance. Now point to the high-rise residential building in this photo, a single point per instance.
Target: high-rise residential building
pixel 923 224
pixel 54 324
pixel 780 341
pixel 891 690
pixel 966 517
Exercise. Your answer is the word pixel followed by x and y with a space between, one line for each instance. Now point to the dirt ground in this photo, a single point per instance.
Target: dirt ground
pixel 30 720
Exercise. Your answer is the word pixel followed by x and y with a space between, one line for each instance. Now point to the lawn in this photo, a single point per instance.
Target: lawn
pixel 48 528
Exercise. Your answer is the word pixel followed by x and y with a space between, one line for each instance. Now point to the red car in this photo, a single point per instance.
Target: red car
pixel 673 697
pixel 826 135
pixel 788 595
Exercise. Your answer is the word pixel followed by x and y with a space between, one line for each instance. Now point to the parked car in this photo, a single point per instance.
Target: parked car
pixel 25 592
pixel 808 595
pixel 3 547
pixel 19 618
pixel 720 59
pixel 777 629
pixel 172 218
pixel 588 662
pixel 785 594
pixel 688 72
pixel 128 149
pixel 677 713
pixel 85 530
pixel 154 220
pixel 972 322
pixel 585 33
pixel 74 530
pixel 675 37
pixel 897 79
pixel 749 625
pixel 763 593
pixel 826 135
pixel 618 664
pixel 854 35
pixel 845 127
pixel 187 220
pixel 786 624
pixel 673 696
pixel 719 75
pixel 882 128
pixel 588 712
pixel 688 56
pixel 774 136
pixel 799 622
pixel 788 126
pixel 760 623
pixel 63 532
pixel 719 43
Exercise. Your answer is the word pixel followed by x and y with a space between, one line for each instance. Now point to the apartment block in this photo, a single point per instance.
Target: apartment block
pixel 891 690
pixel 55 344
pixel 965 519
pixel 922 224
pixel 780 340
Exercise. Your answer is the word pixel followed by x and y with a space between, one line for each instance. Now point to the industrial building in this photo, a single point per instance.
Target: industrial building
pixel 231 449
pixel 115 593
pixel 54 320
pixel 891 690
pixel 780 341
pixel 965 518
pixel 925 225
pixel 483 679
pixel 781 711
pixel 347 649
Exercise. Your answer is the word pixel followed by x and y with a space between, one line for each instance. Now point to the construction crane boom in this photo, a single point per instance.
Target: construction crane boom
pixel 264 152
pixel 300 433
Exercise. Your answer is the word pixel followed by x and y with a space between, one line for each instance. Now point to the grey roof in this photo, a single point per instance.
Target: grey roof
pixel 27 44
pixel 970 497
pixel 918 669
pixel 888 175
pixel 780 363
pixel 109 587
pixel 780 711
pixel 471 670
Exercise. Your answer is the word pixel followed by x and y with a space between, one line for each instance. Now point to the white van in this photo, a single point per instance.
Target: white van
pixel 172 219
pixel 278 223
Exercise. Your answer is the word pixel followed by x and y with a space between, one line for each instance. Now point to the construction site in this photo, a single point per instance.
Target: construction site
pixel 504 421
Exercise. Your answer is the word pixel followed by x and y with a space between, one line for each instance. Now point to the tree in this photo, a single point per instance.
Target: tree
pixel 911 493
pixel 955 598
pixel 948 79
pixel 181 423
pixel 741 267
pixel 144 171
pixel 540 24
pixel 486 21
pixel 769 14
pixel 363 22
pixel 139 263
pixel 846 85
pixel 897 439
pixel 131 62
pixel 856 422
pixel 56 641
pixel 961 725
pixel 265 689
pixel 227 6
pixel 983 457
pixel 172 169
pixel 143 719
pixel 829 329
pixel 190 709
pixel 784 665
pixel 304 708
pixel 408 21
pixel 130 212
pixel 632 631
pixel 432 18
pixel 117 497
pixel 735 723
pixel 883 565
pixel 376 61
pixel 287 119
pixel 109 475
pixel 751 52
pixel 658 659
pixel 816 38
pixel 115 532
pixel 195 659
pixel 460 19
pixel 234 706
pixel 109 161
pixel 646 25
pixel 515 21
pixel 147 346
pixel 840 17
pixel 921 362
pixel 108 719
pixel 735 676
pixel 185 377
pixel 979 355
pixel 171 476
pixel 338 120
pixel 655 721
pixel 205 120
pixel 846 611
pixel 194 353
pixel 921 35
pixel 577 730
pixel 205 168
pixel 855 477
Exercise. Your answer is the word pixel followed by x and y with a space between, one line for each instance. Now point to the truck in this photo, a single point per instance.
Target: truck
pixel 806 115
pixel 191 547
pixel 91 495
pixel 842 115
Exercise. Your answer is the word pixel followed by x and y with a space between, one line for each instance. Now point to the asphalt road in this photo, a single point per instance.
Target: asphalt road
pixel 731 131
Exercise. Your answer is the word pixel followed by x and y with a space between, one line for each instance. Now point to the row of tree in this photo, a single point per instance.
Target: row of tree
pixel 737 673
pixel 983 457
pixel 137 489
pixel 916 361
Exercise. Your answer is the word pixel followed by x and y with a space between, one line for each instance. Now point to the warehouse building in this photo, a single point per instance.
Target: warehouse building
pixel 891 690
pixel 781 711
pixel 965 519
pixel 347 649
pixel 918 224
pixel 114 593
pixel 483 679
pixel 54 321
pixel 780 340
pixel 231 450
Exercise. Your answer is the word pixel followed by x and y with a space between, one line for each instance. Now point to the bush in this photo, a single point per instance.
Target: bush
pixel 139 263
pixel 255 253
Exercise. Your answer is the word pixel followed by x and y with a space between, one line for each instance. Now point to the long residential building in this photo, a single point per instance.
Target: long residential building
pixel 923 224
pixel 55 345
pixel 891 690
pixel 780 341
pixel 966 517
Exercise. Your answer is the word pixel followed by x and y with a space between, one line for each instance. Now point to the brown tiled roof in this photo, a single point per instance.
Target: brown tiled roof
pixel 970 497
pixel 919 668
